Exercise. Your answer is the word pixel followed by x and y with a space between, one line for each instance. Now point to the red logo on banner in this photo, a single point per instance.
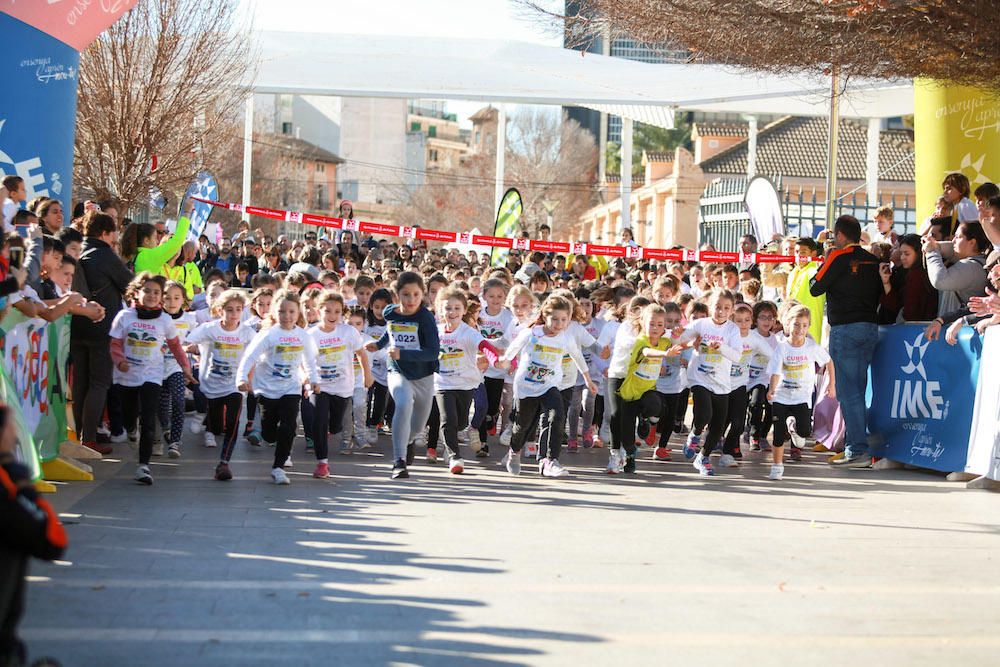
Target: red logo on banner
pixel 579 249
pixel 521 244
pixel 293 216
pixel 748 258
pixel 465 238
pixel 632 251
pixel 407 232
pixel 351 225
pixel 690 255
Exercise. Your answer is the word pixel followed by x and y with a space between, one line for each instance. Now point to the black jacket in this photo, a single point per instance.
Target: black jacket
pixel 102 277
pixel 849 277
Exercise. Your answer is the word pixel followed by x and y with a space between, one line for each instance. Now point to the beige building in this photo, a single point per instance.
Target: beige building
pixel 483 139
pixel 444 142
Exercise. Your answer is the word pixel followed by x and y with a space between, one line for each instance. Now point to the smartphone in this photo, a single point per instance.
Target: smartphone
pixel 16 257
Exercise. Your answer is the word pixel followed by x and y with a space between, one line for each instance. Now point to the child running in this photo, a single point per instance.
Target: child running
pixel 175 303
pixel 718 347
pixel 337 345
pixel 539 352
pixel 412 339
pixel 138 334
pixel 752 346
pixel 792 374
pixel 765 315
pixel 670 385
pixel 221 344
pixel 458 371
pixel 378 394
pixel 357 437
pixel 494 319
pixel 276 355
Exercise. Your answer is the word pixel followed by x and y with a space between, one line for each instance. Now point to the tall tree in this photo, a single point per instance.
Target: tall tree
pixel 650 138
pixel 939 39
pixel 164 77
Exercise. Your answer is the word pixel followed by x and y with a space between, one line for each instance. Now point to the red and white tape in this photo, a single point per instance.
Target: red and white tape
pixel 629 252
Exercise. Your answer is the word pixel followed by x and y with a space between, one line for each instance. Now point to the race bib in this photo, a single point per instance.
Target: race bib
pixel 404 336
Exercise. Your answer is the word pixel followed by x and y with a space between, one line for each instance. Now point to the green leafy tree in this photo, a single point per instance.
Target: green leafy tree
pixel 651 138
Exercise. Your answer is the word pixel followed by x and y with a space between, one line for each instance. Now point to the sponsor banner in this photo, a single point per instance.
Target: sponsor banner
pixel 37 108
pixel 955 128
pixel 35 381
pixel 502 243
pixel 984 440
pixel 508 218
pixel 73 22
pixel 203 189
pixel 921 397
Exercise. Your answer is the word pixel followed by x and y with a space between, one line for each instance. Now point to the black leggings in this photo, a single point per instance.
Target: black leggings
pixel 682 408
pixel 453 407
pixel 647 406
pixel 737 420
pixel 377 399
pixel 278 417
pixel 803 421
pixel 223 418
pixel 142 402
pixel 251 408
pixel 494 393
pixel 759 415
pixel 710 410
pixel 548 406
pixel 669 405
pixel 328 417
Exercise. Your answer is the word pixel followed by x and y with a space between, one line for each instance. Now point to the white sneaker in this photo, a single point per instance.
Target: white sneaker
pixel 279 476
pixel 699 464
pixel 158 448
pixel 142 475
pixel 288 461
pixel 513 462
pixel 196 425
pixel 615 461
pixel 777 470
pixel 728 461
pixel 118 439
pixel 552 468
pixel 797 440
pixel 208 439
pixel 463 437
pixel 174 450
pixel 456 466
pixel 506 434
pixel 475 444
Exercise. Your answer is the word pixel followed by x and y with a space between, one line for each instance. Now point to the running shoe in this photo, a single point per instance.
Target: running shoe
pixel 174 450
pixel 475 444
pixel 322 471
pixel 572 446
pixel 196 426
pixel 777 470
pixel 661 454
pixel 288 462
pixel 629 467
pixel 552 468
pixel 371 435
pixel 795 454
pixel 208 439
pixel 484 452
pixel 692 446
pixel 456 466
pixel 309 444
pixel 158 448
pixel 506 434
pixel 512 461
pixel 279 477
pixel 615 462
pixel 222 472
pixel 104 450
pixel 432 455
pixel 254 438
pixel 755 445
pixel 588 438
pixel 142 475
pixel 399 470
pixel 531 450
pixel 643 429
pixel 411 454
pixel 121 437
pixel 703 465
pixel 728 461
pixel 463 437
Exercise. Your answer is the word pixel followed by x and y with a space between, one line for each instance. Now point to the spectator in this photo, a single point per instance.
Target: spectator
pixel 880 230
pixel 185 271
pixel 748 246
pixel 805 269
pixel 14 194
pixel 908 295
pixel 967 276
pixel 850 280
pixel 50 214
pixel 102 277
pixel 582 269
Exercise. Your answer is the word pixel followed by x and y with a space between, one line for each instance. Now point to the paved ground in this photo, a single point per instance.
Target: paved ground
pixel 827 567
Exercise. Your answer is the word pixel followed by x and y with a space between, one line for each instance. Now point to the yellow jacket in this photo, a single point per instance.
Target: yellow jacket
pixel 798 290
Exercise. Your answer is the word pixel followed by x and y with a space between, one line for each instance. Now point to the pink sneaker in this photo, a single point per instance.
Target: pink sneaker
pixel 322 471
pixel 588 438
pixel 572 446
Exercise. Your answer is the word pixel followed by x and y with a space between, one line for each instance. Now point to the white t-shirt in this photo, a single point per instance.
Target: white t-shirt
pixel 797 368
pixel 753 346
pixel 710 368
pixel 584 341
pixel 457 361
pixel 9 211
pixel 673 374
pixel 625 337
pixel 967 210
pixel 592 354
pixel 279 356
pixel 539 365
pixel 335 354
pixel 184 324
pixel 759 363
pixel 143 341
pixel 379 358
pixel 221 352
pixel 493 328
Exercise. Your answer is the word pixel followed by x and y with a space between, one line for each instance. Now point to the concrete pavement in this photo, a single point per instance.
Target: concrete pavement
pixel 827 567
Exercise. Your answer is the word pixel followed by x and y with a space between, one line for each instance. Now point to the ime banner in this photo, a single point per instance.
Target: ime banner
pixel 37 110
pixel 922 397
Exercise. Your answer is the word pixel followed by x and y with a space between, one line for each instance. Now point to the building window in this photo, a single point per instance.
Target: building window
pixel 479 136
pixel 322 201
pixel 432 131
pixel 433 155
pixel 286 128
pixel 320 168
pixel 415 126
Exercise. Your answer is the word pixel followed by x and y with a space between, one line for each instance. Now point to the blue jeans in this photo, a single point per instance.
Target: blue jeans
pixel 413 399
pixel 852 347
